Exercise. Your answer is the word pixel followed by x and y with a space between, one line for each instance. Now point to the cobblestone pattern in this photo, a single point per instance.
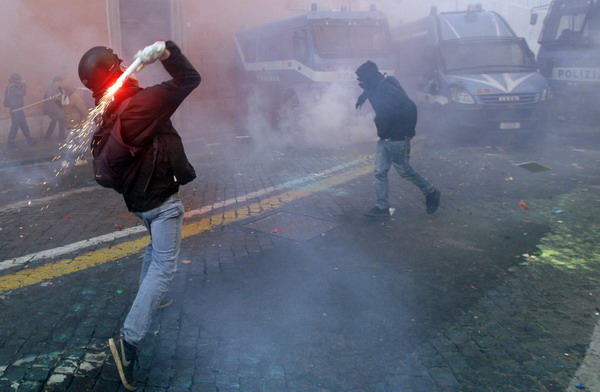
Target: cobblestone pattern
pixel 517 325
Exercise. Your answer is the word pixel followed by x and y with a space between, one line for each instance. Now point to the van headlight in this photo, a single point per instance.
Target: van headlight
pixel 546 94
pixel 460 95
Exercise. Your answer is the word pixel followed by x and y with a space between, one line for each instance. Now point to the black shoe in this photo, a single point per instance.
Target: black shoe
pixel 432 201
pixel 125 356
pixel 377 212
pixel 166 302
pixel 32 143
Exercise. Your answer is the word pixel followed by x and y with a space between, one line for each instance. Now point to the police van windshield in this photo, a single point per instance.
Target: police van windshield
pixel 472 24
pixel 350 39
pixel 463 56
pixel 573 24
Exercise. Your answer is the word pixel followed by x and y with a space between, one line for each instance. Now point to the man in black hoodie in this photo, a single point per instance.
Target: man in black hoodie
pixel 395 120
pixel 151 192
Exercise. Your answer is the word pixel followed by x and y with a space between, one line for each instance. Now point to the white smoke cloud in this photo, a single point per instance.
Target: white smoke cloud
pixel 323 118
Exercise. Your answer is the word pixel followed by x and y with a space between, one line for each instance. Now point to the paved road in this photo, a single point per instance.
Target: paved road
pixel 284 286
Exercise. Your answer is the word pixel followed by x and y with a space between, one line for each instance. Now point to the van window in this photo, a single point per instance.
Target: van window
pixel 248 47
pixel 301 46
pixel 356 40
pixel 487 56
pixel 469 25
pixel 575 25
pixel 270 48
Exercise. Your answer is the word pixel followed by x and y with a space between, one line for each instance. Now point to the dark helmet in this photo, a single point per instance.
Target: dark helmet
pixel 98 68
pixel 14 78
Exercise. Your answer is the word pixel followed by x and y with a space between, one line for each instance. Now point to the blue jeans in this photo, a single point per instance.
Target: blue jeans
pixel 397 154
pixel 160 262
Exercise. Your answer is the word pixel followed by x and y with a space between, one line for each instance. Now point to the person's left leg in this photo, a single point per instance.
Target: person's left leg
pixel 160 262
pixel 400 152
pixel 62 133
pixel 400 156
pixel 51 127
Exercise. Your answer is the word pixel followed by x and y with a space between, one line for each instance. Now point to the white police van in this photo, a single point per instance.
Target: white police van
pixel 569 56
pixel 470 72
pixel 296 58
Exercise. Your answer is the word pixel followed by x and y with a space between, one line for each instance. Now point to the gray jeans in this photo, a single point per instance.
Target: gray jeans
pixel 160 262
pixel 396 153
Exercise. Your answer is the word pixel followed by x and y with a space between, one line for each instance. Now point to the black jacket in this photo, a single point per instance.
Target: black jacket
pixel 15 94
pixel 395 112
pixel 146 123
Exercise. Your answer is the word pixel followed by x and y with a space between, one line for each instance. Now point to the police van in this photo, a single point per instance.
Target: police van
pixel 297 57
pixel 569 54
pixel 470 74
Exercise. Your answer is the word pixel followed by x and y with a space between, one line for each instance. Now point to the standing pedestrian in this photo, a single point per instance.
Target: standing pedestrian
pixel 14 100
pixel 395 120
pixel 152 194
pixel 53 109
pixel 75 111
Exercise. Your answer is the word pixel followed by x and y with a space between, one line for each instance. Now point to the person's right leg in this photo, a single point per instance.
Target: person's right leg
pixel 22 123
pixel 160 262
pixel 382 167
pixel 51 127
pixel 165 224
pixel 14 127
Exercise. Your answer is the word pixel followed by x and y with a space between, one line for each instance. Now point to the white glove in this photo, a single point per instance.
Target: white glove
pixel 151 53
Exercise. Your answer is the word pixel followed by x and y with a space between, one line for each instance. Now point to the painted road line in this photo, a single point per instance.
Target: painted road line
pixel 45 200
pixel 71 248
pixel 31 276
pixel 110 237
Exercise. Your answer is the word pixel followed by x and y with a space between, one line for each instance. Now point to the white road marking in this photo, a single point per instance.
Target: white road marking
pixel 45 200
pixel 106 238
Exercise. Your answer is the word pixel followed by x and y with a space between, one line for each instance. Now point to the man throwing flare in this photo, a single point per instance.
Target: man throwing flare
pixel 151 191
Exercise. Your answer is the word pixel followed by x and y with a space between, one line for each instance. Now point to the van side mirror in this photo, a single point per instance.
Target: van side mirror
pixel 533 19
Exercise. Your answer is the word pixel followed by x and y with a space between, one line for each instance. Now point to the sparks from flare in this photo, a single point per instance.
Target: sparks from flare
pixel 78 143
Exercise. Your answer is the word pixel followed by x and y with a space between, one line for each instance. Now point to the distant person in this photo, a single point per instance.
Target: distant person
pixel 14 100
pixel 75 112
pixel 395 120
pixel 54 110
pixel 152 192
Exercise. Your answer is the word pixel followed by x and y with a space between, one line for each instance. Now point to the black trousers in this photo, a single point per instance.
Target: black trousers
pixel 19 121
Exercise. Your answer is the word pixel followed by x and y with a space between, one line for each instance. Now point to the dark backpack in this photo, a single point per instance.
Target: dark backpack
pixel 116 164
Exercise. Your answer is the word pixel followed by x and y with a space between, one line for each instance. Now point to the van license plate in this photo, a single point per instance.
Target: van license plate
pixel 510 125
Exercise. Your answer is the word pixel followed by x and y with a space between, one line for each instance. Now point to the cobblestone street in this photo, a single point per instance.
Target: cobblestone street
pixel 284 286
